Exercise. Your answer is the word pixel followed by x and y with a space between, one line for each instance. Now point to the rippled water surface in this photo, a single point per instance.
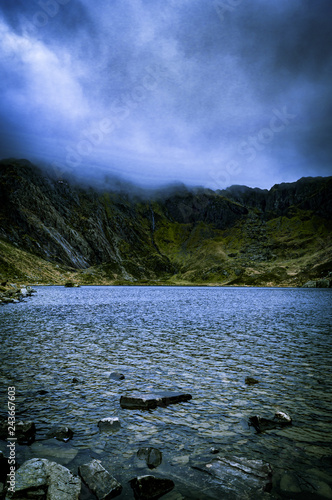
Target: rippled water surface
pixel 204 341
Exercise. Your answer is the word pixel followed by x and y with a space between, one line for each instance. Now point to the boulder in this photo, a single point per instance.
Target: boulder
pixel 151 401
pixel 39 478
pixel 24 431
pixel 117 376
pixel 61 433
pixel 152 456
pixel 150 487
pixel 261 424
pixel 109 424
pixel 239 477
pixel 99 480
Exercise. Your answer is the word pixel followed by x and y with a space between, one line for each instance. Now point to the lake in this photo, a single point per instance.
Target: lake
pixel 201 340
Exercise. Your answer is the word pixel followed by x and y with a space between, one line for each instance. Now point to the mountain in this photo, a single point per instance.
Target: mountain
pixel 54 230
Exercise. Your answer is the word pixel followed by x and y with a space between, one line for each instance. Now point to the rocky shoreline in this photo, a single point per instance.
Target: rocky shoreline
pixel 214 475
pixel 12 293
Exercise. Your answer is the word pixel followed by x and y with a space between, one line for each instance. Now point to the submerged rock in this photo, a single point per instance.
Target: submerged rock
pixel 61 433
pixel 303 485
pixel 261 424
pixel 99 480
pixel 109 424
pixel 239 477
pixel 24 431
pixel 150 487
pixel 39 478
pixel 152 456
pixel 151 401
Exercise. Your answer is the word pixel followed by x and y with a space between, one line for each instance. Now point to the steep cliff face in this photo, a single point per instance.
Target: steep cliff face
pixel 308 193
pixel 235 236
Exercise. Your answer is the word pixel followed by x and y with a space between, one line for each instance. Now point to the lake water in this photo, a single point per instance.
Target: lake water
pixel 200 340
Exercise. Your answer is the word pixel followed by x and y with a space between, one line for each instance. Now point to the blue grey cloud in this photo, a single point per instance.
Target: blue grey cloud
pixel 213 93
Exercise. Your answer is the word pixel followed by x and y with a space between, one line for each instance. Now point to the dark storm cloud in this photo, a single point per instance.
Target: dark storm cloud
pixel 215 93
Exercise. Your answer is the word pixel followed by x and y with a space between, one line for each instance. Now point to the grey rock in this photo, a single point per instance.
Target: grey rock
pixel 109 424
pixel 150 401
pixel 239 477
pixel 99 480
pixel 150 487
pixel 39 479
pixel 152 456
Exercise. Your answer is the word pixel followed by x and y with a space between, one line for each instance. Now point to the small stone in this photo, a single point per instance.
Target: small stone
pixel 152 456
pixel 77 381
pixel 99 480
pixel 251 381
pixel 109 424
pixel 117 376
pixel 150 487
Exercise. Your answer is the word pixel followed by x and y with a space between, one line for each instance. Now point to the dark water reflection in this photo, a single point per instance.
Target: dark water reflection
pixel 200 340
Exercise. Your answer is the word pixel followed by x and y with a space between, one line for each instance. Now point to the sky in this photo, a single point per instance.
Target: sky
pixel 203 92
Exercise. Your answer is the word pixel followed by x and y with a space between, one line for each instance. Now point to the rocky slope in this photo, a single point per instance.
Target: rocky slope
pixel 53 230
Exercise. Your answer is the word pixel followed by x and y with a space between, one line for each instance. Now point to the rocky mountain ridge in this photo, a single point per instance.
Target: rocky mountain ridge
pixel 237 236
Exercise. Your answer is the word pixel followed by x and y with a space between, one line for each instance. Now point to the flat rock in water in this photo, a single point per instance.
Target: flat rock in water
pixel 150 487
pixel 99 480
pixel 150 401
pixel 239 477
pixel 39 478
